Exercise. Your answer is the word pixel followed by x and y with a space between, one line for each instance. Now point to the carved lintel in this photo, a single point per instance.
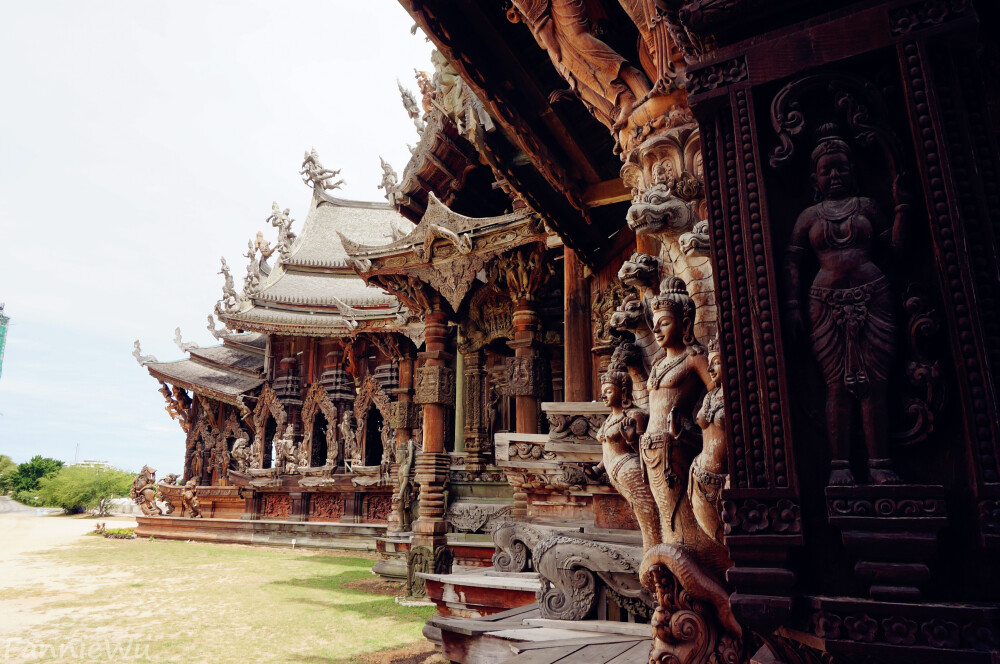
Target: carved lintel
pixel 527 376
pixel 477 517
pixel 435 385
pixel 404 415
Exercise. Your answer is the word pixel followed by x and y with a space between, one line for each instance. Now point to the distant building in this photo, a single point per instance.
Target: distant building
pixel 90 463
pixel 3 334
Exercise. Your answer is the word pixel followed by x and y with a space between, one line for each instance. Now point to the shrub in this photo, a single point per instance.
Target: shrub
pixel 119 533
pixel 24 481
pixel 77 488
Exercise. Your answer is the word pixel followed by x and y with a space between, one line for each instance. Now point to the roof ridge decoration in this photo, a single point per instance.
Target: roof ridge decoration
pixel 412 109
pixel 143 360
pixel 231 300
pixel 317 177
pixel 211 328
pixel 390 182
pixel 281 220
pixel 185 346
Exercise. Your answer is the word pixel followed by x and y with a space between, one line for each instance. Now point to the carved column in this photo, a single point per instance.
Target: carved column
pixel 576 366
pixel 476 434
pixel 526 368
pixel 435 391
pixel 404 417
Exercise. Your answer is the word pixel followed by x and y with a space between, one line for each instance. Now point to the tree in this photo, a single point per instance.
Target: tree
pixel 7 470
pixel 24 480
pixel 76 488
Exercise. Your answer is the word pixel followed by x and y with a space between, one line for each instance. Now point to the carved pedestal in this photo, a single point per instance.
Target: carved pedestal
pixel 893 532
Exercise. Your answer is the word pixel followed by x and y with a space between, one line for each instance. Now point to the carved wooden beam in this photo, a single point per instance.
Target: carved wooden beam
pixel 606 193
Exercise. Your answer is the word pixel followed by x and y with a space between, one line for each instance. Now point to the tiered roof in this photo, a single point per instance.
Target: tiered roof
pixel 222 372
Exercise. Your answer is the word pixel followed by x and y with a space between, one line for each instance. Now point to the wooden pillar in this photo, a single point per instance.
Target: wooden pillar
pixel 526 367
pixel 435 391
pixel 476 428
pixel 403 417
pixel 577 336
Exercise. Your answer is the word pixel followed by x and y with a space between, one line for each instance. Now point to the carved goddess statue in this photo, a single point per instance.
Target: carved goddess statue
pixel 404 494
pixel 676 382
pixel 708 470
pixel 850 306
pixel 352 453
pixel 619 437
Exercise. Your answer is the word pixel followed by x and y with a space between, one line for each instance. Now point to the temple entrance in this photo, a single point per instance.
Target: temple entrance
pixel 319 449
pixel 373 438
pixel 270 428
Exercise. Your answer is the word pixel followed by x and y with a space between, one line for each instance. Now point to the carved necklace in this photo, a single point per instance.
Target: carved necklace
pixel 713 404
pixel 663 367
pixel 836 212
pixel 610 422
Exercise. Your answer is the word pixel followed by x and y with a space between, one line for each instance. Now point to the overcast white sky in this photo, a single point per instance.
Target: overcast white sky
pixel 139 142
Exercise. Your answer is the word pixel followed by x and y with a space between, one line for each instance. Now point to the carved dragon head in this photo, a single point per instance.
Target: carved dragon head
pixel 640 271
pixel 658 211
pixel 629 315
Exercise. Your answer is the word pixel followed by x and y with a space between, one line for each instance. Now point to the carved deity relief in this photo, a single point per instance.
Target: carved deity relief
pixel 846 312
pixel 352 449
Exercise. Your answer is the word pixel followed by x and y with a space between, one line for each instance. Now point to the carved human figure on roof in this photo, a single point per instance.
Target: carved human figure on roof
pixel 426 90
pixel 850 307
pixel 390 181
pixel 601 77
pixel 314 175
pixel 281 220
pixel 412 109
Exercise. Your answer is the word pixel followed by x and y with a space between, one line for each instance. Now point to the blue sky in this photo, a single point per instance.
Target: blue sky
pixel 138 143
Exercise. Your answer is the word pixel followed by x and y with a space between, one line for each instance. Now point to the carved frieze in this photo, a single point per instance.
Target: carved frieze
pixel 435 384
pixel 326 506
pixel 527 376
pixel 275 506
pixel 575 427
pixel 378 507
pixel 404 415
pixel 469 517
pixel 603 303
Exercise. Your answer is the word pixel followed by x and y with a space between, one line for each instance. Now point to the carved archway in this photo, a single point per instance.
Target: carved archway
pixel 370 394
pixel 318 401
pixel 195 460
pixel 268 404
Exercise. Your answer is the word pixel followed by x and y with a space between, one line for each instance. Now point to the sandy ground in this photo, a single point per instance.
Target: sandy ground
pixel 26 582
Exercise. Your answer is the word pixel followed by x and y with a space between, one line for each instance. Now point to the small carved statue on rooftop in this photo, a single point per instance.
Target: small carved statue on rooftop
pixel 143 491
pixel 189 500
pixel 390 183
pixel 619 437
pixel 404 493
pixel 708 470
pixel 850 305
pixel 314 175
pixel 412 109
pixel 281 220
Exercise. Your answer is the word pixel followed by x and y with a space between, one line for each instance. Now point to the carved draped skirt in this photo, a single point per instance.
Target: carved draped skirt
pixel 853 333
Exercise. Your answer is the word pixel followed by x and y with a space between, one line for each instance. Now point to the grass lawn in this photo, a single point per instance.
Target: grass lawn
pixel 194 602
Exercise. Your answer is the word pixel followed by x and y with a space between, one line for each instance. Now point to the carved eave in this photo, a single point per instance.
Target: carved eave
pixel 439 164
pixel 446 250
pixel 554 155
pixel 218 372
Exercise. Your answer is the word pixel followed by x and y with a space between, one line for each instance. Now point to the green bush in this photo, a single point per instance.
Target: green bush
pixel 119 533
pixel 24 481
pixel 78 488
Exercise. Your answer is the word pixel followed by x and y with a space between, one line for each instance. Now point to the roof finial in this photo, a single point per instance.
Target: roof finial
pixel 314 175
pixel 143 360
pixel 211 328
pixel 389 181
pixel 230 298
pixel 281 220
pixel 185 346
pixel 412 109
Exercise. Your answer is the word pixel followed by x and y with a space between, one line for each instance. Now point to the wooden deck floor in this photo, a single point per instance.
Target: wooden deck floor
pixel 521 636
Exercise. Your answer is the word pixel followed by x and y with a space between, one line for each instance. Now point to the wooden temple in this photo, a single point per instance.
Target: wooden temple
pixel 676 342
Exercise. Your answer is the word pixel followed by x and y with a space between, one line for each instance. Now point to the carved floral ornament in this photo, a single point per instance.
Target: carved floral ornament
pixel 435 385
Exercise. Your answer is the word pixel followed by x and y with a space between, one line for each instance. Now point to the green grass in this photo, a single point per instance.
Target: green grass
pixel 201 602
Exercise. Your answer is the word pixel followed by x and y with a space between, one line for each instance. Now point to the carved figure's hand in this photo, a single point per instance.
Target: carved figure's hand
pixel 593 471
pixel 899 193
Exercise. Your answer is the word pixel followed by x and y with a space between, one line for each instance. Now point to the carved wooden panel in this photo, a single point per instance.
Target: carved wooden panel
pixel 326 507
pixel 435 385
pixel 275 506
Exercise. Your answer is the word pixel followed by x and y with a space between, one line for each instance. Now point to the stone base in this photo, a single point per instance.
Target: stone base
pixel 340 536
pixel 391 563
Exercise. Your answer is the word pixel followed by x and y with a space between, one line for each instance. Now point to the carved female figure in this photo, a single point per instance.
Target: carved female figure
pixel 675 383
pixel 352 453
pixel 619 436
pixel 850 306
pixel 708 470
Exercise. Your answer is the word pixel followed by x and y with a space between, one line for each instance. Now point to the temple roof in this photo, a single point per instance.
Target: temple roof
pixel 315 291
pixel 221 372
